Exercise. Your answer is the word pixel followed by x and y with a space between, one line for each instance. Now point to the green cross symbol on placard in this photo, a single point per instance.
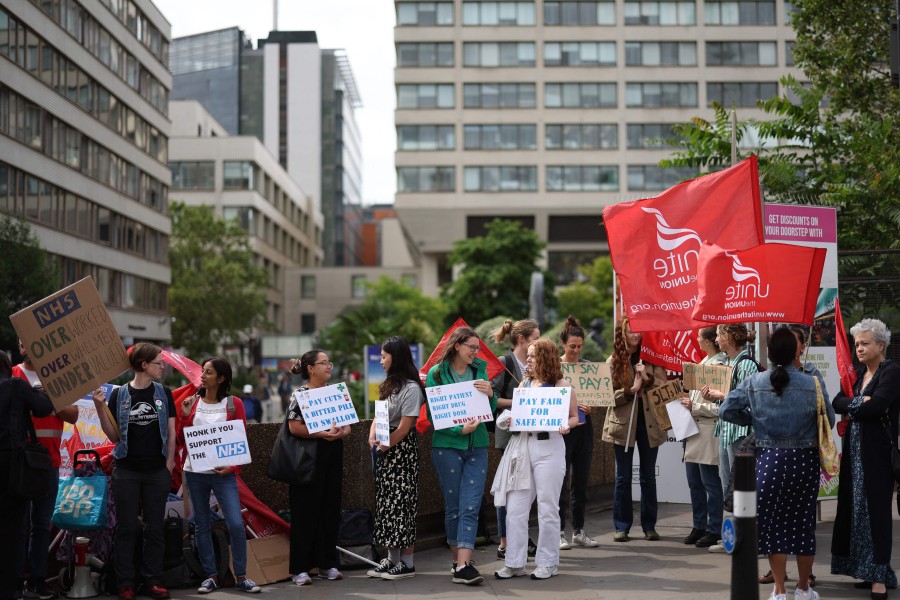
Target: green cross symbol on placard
pixel 564 392
pixel 340 387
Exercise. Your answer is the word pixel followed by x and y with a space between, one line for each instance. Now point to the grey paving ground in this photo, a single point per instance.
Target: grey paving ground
pixel 666 569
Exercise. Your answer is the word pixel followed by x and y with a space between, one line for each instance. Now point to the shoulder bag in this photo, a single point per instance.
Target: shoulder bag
pixel 30 464
pixel 828 454
pixel 293 458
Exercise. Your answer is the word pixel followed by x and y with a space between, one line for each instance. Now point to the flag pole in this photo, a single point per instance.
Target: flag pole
pixel 631 417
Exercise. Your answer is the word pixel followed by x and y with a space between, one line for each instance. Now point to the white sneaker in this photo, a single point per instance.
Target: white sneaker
pixel 544 572
pixel 717 548
pixel 580 538
pixel 774 596
pixel 563 542
pixel 507 573
pixel 807 594
pixel 302 579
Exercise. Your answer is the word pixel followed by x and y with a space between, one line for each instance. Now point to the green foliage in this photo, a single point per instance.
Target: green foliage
pixel 217 294
pixel 485 331
pixel 495 275
pixel 26 274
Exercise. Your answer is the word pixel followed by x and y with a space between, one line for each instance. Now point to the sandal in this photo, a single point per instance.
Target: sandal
pixel 770 578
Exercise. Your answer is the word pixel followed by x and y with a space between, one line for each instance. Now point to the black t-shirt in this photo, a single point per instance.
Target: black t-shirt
pixel 145 449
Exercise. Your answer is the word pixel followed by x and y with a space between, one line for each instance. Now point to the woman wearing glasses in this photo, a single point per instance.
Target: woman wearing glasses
pixel 316 507
pixel 459 453
pixel 143 429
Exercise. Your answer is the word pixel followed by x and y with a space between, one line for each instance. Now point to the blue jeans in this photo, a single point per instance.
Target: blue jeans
pixel 33 551
pixel 706 496
pixel 225 488
pixel 501 521
pixel 726 461
pixel 462 474
pixel 623 513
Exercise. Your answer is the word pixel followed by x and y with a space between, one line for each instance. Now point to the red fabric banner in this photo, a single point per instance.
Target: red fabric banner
pixel 844 358
pixel 669 349
pixel 655 243
pixel 769 282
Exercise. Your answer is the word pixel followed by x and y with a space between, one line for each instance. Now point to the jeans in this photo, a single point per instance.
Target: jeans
pixel 501 521
pixel 33 551
pixel 706 496
pixel 579 449
pixel 461 474
pixel 137 491
pixel 199 485
pixel 623 513
pixel 726 461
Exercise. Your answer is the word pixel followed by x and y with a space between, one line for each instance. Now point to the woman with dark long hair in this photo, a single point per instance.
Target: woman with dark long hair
pixel 397 465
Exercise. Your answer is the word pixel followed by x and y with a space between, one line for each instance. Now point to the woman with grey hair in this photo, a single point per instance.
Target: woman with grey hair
pixel 861 545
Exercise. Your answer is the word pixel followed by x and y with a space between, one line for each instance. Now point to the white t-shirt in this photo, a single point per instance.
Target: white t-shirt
pixel 207 414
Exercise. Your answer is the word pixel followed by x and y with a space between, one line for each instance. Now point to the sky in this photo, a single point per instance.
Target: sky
pixel 364 28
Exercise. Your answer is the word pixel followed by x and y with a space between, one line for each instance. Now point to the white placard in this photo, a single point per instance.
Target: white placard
pixel 683 424
pixel 217 445
pixel 540 408
pixel 322 407
pixel 456 404
pixel 382 423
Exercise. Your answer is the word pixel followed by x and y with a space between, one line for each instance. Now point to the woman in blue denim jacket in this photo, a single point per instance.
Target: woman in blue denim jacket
pixel 781 406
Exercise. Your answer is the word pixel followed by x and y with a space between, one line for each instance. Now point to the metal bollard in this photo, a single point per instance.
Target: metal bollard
pixel 744 572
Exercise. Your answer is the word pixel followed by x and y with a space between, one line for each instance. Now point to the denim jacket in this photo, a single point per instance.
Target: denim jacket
pixel 786 421
pixel 120 450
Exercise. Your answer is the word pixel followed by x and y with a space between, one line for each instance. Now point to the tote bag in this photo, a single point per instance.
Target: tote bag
pixel 828 454
pixel 293 459
pixel 81 503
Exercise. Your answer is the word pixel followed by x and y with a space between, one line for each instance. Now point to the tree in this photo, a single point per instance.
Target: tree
pixel 495 273
pixel 592 299
pixel 26 274
pixel 217 294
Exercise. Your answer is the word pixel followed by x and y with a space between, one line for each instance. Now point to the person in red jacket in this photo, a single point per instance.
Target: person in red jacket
pixel 211 405
pixel 49 431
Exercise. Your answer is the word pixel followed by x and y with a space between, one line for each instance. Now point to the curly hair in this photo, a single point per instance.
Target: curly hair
pixel 545 363
pixel 737 332
pixel 621 362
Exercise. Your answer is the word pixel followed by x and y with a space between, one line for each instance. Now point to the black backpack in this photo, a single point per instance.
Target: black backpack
pixel 356 531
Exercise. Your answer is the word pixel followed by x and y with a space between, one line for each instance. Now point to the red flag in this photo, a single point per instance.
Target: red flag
pixel 736 286
pixel 844 358
pixel 655 243
pixel 182 364
pixel 669 349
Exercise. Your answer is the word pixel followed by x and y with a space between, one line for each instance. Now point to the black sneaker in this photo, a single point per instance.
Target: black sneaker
pixel 383 567
pixel 39 590
pixel 708 539
pixel 532 548
pixel 467 575
pixel 501 552
pixel 400 571
pixel 693 536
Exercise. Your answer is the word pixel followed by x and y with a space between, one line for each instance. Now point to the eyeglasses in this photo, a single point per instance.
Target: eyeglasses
pixel 325 363
pixel 158 363
pixel 476 348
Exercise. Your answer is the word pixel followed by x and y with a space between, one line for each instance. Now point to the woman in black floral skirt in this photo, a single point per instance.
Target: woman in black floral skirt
pixel 397 466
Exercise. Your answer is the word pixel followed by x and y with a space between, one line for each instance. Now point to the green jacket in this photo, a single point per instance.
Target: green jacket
pixel 453 437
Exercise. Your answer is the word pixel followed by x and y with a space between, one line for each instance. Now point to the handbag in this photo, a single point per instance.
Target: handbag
pixel 30 465
pixel 81 503
pixel 829 459
pixel 293 459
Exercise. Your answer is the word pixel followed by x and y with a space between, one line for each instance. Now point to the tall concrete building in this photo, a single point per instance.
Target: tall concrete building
pixel 546 111
pixel 84 133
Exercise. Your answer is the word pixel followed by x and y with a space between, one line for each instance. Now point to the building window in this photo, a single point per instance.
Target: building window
pixel 745 12
pixel 426 137
pixel 500 179
pixel 744 54
pixel 198 175
pixel 498 54
pixel 679 12
pixel 498 13
pixel 789 53
pixel 739 93
pixel 426 179
pixel 425 95
pixel 243 216
pixel 789 11
pixel 650 135
pixel 409 280
pixel 358 286
pixel 425 55
pixel 237 175
pixel 649 95
pixel 655 178
pixel 425 14
pixel 499 95
pixel 654 54
pixel 582 178
pixel 307 323
pixel 579 54
pixel 597 136
pixel 477 227
pixel 576 228
pixel 500 137
pixel 580 95
pixel 307 286
pixel 580 13
pixel 565 264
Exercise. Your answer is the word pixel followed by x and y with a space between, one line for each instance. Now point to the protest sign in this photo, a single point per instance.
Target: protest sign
pixel 683 423
pixel 382 423
pixel 217 445
pixel 324 406
pixel 456 404
pixel 72 342
pixel 717 377
pixel 540 408
pixel 591 382
pixel 662 395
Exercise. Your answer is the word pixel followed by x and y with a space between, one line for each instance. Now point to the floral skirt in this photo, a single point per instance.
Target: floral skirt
pixel 397 494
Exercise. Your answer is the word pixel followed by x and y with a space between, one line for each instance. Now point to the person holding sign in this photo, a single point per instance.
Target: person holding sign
pixel 631 422
pixel 397 466
pixel 535 468
pixel 213 405
pixel 459 453
pixel 579 450
pixel 701 455
pixel 140 420
pixel 316 507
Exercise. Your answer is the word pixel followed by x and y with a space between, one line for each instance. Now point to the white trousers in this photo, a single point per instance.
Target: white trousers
pixel 548 469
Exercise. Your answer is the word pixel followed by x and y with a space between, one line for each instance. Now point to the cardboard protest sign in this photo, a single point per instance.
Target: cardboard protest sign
pixel 457 404
pixel 324 406
pixel 72 342
pixel 591 381
pixel 717 377
pixel 540 408
pixel 217 445
pixel 662 395
pixel 382 423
